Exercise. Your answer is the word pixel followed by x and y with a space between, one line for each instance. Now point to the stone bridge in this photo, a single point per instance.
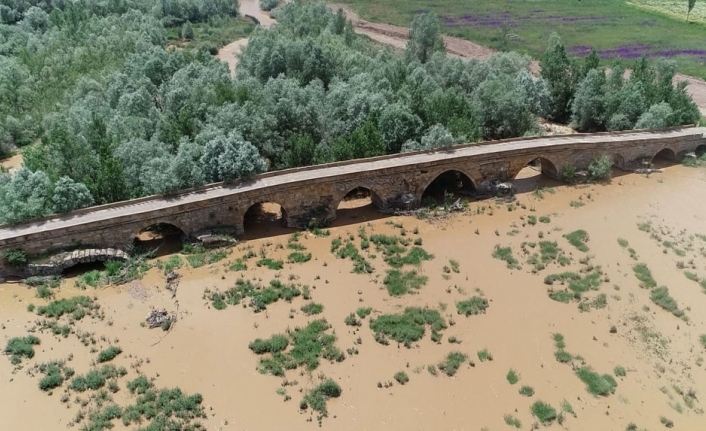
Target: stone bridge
pixel 315 192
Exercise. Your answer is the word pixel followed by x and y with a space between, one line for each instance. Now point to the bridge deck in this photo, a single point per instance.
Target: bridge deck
pixel 219 190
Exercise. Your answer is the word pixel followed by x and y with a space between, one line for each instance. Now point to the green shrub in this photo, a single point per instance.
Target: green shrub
pixel 308 346
pixel 408 327
pixel 543 411
pixel 351 320
pixel 363 312
pixel 317 397
pixel 275 265
pixel 77 304
pixel 661 297
pixel 51 381
pixel 512 421
pixel 484 355
pixel 472 306
pixel 643 273
pixel 109 354
pixel 399 283
pixel 298 257
pixel 527 391
pixel 452 362
pixel 93 380
pixel 620 371
pixel 505 254
pixel 140 385
pixel 21 347
pixel 312 308
pixel 578 239
pixel 401 377
pixel 512 377
pixel 563 356
pixel 16 257
pixel 597 384
pixel 600 170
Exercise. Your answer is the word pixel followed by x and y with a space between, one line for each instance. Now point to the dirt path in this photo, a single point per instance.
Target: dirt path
pixel 396 36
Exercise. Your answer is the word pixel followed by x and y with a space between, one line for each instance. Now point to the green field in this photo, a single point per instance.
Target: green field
pixel 619 29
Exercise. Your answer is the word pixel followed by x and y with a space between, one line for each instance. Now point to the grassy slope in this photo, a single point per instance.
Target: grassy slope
pixel 604 24
pixel 222 33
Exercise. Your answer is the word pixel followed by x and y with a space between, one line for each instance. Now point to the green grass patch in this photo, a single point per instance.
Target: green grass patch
pixel 531 220
pixel 512 377
pixel 452 362
pixel 139 386
pixel 109 354
pixel 312 308
pixel 272 264
pixel 238 265
pixel 576 204
pixel 661 297
pixel 578 239
pixel 619 371
pixel 597 384
pixel 455 267
pixel 407 327
pixel 505 254
pixel 21 347
pixel 360 264
pixel 77 306
pixel 472 306
pixel 308 346
pixel 164 409
pixel 351 320
pixel 414 257
pixel 545 219
pixel 543 412
pixel 96 378
pixel 298 257
pixel 623 242
pixel 399 283
pixel 260 296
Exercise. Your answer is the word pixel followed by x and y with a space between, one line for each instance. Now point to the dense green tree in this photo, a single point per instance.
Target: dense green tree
pixel 558 71
pixel 70 195
pixel 657 117
pixel 424 38
pixel 187 31
pixel 588 107
pixel 24 195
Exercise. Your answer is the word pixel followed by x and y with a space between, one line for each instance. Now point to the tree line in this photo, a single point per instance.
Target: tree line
pixel 103 112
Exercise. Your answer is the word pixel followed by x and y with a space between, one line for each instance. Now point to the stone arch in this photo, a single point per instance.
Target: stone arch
pixel 452 180
pixel 700 150
pixel 374 196
pixel 547 167
pixel 665 154
pixel 259 208
pixel 618 161
pixel 160 236
pixel 168 224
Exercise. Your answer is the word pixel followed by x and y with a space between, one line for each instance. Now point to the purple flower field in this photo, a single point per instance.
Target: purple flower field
pixel 634 51
pixel 499 18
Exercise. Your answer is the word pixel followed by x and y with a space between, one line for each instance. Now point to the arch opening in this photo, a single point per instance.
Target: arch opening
pixel 665 157
pixel 265 219
pixel 359 203
pixel 536 174
pixel 162 238
pixel 700 150
pixel 618 161
pixel 447 186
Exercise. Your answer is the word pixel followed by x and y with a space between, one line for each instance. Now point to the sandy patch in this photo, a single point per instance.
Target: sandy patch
pixel 207 350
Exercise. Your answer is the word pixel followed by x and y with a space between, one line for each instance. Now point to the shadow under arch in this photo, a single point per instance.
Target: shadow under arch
pixel 358 204
pixel 700 150
pixel 664 157
pixel 265 219
pixel 451 181
pixel 619 161
pixel 161 237
pixel 538 172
